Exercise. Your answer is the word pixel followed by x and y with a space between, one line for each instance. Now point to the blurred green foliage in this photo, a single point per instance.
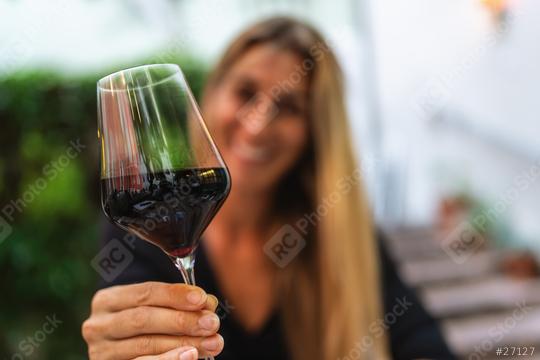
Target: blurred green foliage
pixel 52 204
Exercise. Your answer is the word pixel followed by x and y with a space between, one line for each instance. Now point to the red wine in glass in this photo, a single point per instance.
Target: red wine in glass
pixel 170 210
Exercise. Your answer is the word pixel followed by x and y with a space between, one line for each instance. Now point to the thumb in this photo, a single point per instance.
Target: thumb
pixel 183 353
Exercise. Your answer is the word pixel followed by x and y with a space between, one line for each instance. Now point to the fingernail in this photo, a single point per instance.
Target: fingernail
pixel 196 297
pixel 209 322
pixel 215 301
pixel 191 354
pixel 213 343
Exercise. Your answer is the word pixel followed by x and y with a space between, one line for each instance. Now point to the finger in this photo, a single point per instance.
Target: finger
pixel 155 320
pixel 183 353
pixel 212 303
pixel 147 345
pixel 174 296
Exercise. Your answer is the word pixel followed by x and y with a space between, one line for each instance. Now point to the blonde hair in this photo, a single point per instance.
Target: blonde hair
pixel 330 296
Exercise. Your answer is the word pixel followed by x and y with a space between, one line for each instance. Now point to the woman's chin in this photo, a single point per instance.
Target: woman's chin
pixel 250 179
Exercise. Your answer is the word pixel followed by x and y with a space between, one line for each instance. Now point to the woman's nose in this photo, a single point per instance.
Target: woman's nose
pixel 257 113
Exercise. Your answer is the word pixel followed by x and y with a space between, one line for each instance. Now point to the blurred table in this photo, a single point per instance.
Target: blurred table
pixel 479 308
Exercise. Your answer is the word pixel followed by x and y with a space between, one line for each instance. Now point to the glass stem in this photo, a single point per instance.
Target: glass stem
pixel 186 265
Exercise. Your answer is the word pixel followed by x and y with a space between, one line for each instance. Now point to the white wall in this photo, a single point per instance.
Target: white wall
pixel 446 61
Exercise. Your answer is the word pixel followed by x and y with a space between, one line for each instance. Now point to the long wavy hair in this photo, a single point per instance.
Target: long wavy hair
pixel 330 293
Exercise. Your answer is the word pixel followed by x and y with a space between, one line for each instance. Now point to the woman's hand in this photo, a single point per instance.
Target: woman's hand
pixel 151 321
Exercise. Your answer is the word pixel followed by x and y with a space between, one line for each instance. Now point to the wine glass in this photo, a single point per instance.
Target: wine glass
pixel 162 176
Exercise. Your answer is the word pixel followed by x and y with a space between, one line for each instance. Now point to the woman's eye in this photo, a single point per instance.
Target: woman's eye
pixel 245 94
pixel 290 108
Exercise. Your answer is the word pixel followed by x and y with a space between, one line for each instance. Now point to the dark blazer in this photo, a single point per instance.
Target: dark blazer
pixel 412 332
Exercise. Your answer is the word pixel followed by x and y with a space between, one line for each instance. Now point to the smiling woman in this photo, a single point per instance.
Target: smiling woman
pixel 275 107
pixel 291 166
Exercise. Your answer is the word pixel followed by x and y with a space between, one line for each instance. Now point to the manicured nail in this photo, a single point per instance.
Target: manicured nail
pixel 190 354
pixel 196 297
pixel 209 322
pixel 213 343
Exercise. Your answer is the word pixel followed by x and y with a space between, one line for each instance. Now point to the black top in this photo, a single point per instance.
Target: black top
pixel 413 334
